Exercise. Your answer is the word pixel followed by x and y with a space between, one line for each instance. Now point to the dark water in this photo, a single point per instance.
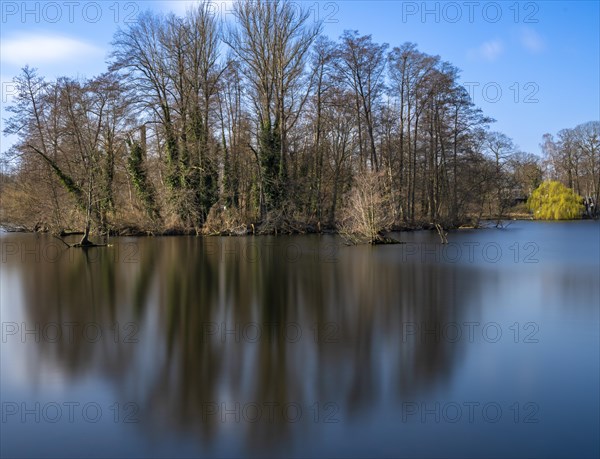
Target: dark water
pixel 302 347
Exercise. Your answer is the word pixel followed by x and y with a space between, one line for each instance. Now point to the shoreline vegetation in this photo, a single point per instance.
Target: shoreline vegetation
pixel 286 229
pixel 266 126
pixel 290 229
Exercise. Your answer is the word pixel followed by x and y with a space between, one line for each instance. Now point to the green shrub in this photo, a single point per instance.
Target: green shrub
pixel 554 201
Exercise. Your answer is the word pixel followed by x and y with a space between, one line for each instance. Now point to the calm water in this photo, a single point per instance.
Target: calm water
pixel 302 347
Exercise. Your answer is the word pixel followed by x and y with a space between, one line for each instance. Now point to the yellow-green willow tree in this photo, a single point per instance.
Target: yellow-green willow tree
pixel 554 201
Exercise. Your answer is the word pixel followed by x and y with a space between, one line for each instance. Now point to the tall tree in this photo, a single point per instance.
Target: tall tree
pixel 501 149
pixel 272 41
pixel 173 65
pixel 361 63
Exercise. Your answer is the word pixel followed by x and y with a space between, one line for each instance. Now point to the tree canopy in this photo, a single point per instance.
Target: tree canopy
pixel 554 201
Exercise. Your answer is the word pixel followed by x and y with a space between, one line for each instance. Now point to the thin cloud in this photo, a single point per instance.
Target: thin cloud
pixel 220 8
pixel 531 40
pixel 179 7
pixel 41 49
pixel 489 50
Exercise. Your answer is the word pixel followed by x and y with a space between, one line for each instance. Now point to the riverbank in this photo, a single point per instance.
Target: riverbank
pixel 258 229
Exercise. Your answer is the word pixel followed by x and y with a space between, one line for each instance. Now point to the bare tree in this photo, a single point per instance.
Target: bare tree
pixel 75 127
pixel 362 64
pixel 501 149
pixel 366 214
pixel 272 41
pixel 173 66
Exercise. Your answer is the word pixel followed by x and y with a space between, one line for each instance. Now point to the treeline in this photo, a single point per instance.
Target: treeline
pixel 265 124
pixel 573 159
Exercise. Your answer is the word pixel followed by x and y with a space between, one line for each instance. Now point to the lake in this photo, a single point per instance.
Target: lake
pixel 301 346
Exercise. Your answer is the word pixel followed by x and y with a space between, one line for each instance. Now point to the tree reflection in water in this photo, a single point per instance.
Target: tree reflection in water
pixel 335 326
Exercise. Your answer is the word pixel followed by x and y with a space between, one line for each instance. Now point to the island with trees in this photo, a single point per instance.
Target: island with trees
pixel 267 126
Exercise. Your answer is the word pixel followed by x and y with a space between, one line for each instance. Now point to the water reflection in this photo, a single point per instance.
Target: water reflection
pixel 191 327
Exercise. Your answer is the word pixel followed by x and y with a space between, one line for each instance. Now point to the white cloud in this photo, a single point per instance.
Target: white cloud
pixel 531 40
pixel 38 49
pixel 220 8
pixel 489 50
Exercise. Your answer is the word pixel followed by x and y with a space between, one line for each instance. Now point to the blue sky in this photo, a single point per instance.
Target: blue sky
pixel 533 66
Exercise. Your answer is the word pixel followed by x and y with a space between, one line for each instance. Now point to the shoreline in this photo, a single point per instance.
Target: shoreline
pixel 296 229
pixel 255 230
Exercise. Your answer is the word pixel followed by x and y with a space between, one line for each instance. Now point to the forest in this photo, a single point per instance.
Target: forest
pixel 267 126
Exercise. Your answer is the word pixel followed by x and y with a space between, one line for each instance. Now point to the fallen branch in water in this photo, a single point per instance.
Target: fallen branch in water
pixel 443 235
pixel 85 243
